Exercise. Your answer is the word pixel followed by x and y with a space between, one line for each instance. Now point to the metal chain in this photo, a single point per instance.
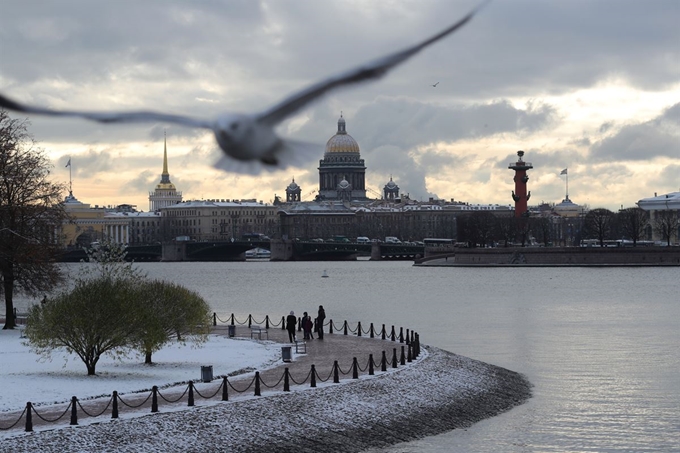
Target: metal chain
pixel 173 401
pixel 15 423
pixel 211 396
pixel 56 419
pixel 132 406
pixel 303 381
pixel 91 415
pixel 244 390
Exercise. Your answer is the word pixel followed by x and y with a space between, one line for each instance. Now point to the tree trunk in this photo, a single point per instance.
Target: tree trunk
pixel 147 358
pixel 91 368
pixel 8 287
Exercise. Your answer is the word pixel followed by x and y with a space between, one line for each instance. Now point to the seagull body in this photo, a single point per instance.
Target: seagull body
pixel 250 142
pixel 435 85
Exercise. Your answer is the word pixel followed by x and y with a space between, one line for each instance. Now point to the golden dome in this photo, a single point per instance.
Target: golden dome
pixel 342 142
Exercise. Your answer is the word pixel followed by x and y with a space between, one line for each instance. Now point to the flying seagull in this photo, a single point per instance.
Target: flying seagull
pixel 249 142
pixel 435 85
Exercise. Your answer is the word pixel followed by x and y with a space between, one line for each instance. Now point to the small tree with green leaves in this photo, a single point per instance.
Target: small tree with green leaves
pixel 168 311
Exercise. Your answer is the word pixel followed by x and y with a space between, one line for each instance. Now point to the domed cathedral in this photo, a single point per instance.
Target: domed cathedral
pixel 342 173
pixel 165 194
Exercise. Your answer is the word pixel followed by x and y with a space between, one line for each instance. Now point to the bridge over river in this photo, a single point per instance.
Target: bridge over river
pixel 281 250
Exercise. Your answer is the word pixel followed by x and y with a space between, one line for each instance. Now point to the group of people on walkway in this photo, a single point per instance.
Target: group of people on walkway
pixel 308 326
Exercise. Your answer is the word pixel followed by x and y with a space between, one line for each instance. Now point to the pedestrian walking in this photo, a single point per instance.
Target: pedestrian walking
pixel 319 321
pixel 291 322
pixel 307 326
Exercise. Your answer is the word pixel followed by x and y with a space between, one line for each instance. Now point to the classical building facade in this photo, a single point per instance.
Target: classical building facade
pixel 342 173
pixel 165 194
pixel 87 224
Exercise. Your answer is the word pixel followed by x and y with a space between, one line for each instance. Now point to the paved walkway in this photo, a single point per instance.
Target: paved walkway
pixel 320 353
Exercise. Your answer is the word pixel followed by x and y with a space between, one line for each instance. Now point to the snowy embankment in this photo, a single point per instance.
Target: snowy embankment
pixel 443 391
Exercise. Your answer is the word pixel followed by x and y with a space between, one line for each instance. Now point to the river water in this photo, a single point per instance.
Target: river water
pixel 600 345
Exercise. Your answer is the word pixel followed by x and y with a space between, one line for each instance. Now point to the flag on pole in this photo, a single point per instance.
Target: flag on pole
pixel 564 172
pixel 68 164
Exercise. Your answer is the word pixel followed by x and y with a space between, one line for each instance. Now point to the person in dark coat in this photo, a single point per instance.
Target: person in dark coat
pixel 319 320
pixel 291 322
pixel 307 326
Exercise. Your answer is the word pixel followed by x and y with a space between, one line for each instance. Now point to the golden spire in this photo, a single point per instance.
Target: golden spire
pixel 165 155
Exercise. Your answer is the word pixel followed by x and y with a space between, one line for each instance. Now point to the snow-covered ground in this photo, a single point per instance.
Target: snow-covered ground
pixel 25 376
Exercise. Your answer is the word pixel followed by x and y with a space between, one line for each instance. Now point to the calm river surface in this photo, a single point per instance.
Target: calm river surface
pixel 600 345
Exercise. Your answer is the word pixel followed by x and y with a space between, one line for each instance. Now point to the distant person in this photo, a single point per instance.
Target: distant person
pixel 291 322
pixel 307 326
pixel 319 321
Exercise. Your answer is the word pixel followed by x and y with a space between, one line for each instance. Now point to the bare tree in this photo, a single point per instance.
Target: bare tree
pixel 633 222
pixel 598 224
pixel 666 225
pixel 30 214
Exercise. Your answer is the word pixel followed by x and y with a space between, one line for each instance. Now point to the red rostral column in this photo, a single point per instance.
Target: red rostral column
pixel 520 194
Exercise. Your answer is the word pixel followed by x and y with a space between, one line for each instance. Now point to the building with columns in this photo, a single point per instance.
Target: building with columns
pixel 86 224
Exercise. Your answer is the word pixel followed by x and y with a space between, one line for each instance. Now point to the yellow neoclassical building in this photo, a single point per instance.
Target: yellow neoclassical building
pixel 86 224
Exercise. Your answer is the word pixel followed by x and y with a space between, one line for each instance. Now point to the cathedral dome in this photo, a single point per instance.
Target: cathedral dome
pixel 293 186
pixel 342 142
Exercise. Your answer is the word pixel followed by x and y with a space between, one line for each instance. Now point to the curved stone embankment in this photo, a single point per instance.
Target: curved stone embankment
pixel 443 391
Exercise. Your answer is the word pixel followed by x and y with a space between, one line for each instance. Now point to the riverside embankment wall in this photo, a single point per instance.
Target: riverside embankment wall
pixel 562 256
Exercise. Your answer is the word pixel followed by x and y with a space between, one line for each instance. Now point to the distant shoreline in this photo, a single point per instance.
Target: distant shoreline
pixel 442 392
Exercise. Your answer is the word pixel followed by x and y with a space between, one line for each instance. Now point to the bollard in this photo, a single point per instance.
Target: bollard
pixel 330 326
pixel 154 398
pixel 114 409
pixel 74 410
pixel 266 322
pixel 345 327
pixel 257 383
pixel 401 335
pixel 409 357
pixel 225 392
pixel 214 319
pixel 392 335
pixel 383 332
pixel 283 323
pixel 233 319
pixel 286 384
pixel 336 375
pixel 355 368
pixel 191 393
pixel 371 372
pixel 383 362
pixel 29 418
pixel 250 321
pixel 359 329
pixel 417 345
pixel 402 359
pixel 394 357
pixel 408 341
pixel 412 336
pixel 313 373
pixel 372 331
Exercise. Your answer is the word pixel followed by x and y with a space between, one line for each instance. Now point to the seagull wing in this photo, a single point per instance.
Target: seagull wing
pixel 109 117
pixel 372 70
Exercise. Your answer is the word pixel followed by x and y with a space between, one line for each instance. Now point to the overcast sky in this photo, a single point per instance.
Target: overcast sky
pixel 592 86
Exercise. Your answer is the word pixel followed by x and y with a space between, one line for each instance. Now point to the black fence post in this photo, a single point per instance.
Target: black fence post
pixel 408 339
pixel 29 418
pixel 383 362
pixel 345 327
pixel 257 383
pixel 371 372
pixel 359 329
pixel 283 323
pixel 250 320
pixel 225 392
pixel 401 335
pixel 372 331
pixel 392 335
pixel 191 393
pixel 154 398
pixel 114 410
pixel 233 320
pixel 355 368
pixel 286 384
pixel 74 410
pixel 409 357
pixel 394 357
pixel 313 373
pixel 214 319
pixel 412 336
pixel 384 332
pixel 299 323
pixel 417 344
pixel 402 359
pixel 336 372
pixel 330 326
pixel 266 322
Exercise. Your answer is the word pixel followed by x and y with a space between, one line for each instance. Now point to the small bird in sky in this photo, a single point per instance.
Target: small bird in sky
pixel 249 141
pixel 435 85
